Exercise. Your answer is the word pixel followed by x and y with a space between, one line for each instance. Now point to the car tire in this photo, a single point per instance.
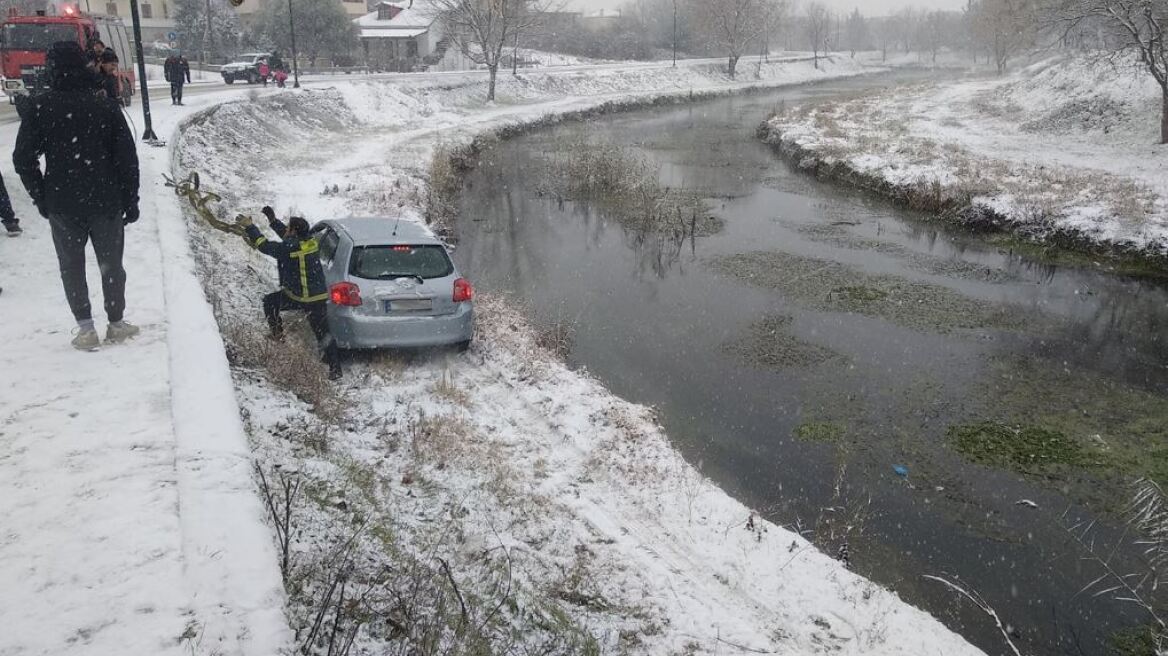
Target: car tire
pixel 463 347
pixel 229 80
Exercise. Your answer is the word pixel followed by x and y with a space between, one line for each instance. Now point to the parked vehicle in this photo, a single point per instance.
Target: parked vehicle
pixel 246 67
pixel 392 284
pixel 24 40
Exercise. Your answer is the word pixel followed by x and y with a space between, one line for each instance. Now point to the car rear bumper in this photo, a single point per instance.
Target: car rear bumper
pixel 354 331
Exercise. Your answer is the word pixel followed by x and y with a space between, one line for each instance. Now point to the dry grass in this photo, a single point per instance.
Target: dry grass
pixel 293 365
pixel 439 439
pixel 446 388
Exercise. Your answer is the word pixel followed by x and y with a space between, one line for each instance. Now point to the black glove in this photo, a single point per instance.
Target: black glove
pixel 131 215
pixel 269 212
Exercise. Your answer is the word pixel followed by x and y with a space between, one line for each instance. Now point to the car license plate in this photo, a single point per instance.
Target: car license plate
pixel 409 305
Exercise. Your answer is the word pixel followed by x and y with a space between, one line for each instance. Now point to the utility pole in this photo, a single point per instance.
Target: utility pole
pixel 292 31
pixel 675 33
pixel 209 39
pixel 148 134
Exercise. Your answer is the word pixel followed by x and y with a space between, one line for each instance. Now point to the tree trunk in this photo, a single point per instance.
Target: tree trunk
pixel 1164 116
pixel 494 69
pixel 733 65
pixel 815 57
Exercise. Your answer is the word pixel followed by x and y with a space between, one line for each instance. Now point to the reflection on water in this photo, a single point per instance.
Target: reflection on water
pixel 742 364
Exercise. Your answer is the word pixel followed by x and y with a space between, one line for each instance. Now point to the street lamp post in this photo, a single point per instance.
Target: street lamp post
pixel 148 134
pixel 292 31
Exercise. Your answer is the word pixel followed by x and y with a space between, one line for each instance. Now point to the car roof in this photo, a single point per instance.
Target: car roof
pixel 381 230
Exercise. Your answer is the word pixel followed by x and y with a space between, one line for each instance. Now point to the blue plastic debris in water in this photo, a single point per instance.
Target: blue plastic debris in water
pixel 900 470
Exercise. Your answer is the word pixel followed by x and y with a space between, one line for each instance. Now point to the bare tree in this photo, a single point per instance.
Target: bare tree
pixel 934 32
pixel 857 32
pixel 1006 27
pixel 819 22
pixel 884 33
pixel 904 25
pixel 482 29
pixel 1139 26
pixel 733 24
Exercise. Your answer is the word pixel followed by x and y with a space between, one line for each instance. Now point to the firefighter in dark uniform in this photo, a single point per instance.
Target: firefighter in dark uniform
pixel 302 285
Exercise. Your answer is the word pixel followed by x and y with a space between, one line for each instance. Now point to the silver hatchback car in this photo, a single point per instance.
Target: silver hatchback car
pixel 392 284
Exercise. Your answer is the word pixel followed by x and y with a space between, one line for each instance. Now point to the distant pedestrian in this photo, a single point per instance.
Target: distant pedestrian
pixel 177 71
pixel 281 76
pixel 265 71
pixel 93 55
pixel 89 188
pixel 109 79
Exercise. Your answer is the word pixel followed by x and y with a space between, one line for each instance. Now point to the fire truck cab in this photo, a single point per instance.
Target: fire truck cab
pixel 25 40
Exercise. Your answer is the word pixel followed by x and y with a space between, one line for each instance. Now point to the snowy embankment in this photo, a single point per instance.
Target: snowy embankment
pixel 495 500
pixel 1063 152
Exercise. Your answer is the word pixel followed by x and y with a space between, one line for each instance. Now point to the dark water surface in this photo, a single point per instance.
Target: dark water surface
pixel 738 355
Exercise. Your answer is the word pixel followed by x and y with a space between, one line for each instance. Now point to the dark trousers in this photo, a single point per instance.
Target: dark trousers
pixel 176 91
pixel 277 302
pixel 70 235
pixel 6 213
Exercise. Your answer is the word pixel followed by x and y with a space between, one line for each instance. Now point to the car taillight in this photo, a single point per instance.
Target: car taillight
pixel 345 293
pixel 463 291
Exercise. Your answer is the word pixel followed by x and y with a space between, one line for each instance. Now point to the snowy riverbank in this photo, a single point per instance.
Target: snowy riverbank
pixel 1065 152
pixel 504 491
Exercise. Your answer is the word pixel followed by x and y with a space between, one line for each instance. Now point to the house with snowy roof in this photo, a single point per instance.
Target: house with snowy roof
pixel 402 36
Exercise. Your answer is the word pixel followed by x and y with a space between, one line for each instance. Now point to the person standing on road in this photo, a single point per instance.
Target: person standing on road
pixel 89 188
pixel 108 80
pixel 265 71
pixel 177 71
pixel 302 285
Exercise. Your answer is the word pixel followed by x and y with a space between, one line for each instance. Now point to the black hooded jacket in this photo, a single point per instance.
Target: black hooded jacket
pixel 91 164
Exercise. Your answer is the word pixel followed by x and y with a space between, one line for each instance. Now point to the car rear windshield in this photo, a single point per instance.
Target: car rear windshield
pixel 31 36
pixel 389 262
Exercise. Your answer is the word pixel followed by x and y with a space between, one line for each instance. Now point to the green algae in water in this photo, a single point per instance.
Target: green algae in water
pixel 909 303
pixel 1025 448
pixel 1138 641
pixel 1123 428
pixel 829 432
pixel 770 343
pixel 859 294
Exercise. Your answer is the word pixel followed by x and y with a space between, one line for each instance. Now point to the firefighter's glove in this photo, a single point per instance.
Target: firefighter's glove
pixel 131 215
pixel 244 222
pixel 269 212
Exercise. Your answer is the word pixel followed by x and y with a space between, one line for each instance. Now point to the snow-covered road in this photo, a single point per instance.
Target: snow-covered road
pixel 128 521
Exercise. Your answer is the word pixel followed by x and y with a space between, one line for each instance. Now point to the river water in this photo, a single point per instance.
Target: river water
pixel 813 355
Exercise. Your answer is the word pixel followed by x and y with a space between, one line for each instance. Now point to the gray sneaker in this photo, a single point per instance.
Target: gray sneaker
pixel 119 331
pixel 86 340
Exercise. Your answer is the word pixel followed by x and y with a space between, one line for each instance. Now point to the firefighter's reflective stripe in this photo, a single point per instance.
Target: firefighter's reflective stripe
pixel 260 241
pixel 307 247
pixel 305 299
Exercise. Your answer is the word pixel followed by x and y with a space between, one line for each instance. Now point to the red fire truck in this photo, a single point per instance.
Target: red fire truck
pixel 24 40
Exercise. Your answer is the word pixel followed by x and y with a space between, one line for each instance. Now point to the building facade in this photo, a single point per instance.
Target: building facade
pixel 396 36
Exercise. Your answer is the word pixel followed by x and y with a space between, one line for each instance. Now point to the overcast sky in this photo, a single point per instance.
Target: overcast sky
pixel 870 7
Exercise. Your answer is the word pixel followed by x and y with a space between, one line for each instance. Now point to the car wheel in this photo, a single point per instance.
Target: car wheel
pixel 229 80
pixel 463 347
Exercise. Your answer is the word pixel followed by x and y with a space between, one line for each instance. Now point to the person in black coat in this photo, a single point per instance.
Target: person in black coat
pixel 108 80
pixel 302 284
pixel 89 188
pixel 177 71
